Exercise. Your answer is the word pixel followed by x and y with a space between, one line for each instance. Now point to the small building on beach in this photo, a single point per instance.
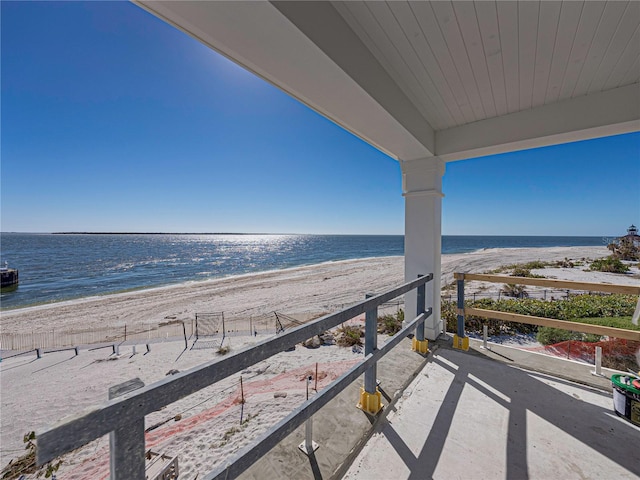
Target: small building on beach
pixel 632 235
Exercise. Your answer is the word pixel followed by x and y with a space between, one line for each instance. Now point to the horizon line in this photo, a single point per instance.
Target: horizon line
pixel 283 233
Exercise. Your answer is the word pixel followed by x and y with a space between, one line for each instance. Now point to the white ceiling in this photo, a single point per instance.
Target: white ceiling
pixel 455 79
pixel 467 61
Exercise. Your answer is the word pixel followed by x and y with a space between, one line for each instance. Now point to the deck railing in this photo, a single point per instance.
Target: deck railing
pixel 461 341
pixel 123 418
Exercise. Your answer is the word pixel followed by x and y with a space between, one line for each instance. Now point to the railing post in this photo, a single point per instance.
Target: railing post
pixel 370 396
pixel 460 340
pixel 419 344
pixel 127 449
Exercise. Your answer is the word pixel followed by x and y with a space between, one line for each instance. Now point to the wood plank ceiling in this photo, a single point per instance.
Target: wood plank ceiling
pixel 462 62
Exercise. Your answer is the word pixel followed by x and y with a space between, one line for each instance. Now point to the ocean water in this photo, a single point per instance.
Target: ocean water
pixel 56 267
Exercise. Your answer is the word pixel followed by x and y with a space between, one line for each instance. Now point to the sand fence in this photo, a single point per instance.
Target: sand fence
pixel 169 329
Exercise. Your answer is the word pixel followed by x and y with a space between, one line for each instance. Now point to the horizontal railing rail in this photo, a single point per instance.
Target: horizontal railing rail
pixel 123 418
pixel 462 342
pixel 248 455
pixel 552 322
pixel 552 283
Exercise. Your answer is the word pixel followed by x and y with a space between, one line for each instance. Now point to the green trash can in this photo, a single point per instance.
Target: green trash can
pixel 626 397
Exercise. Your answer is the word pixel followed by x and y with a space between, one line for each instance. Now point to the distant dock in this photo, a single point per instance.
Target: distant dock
pixel 8 277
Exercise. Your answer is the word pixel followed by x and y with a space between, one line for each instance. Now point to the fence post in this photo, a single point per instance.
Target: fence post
pixel 460 340
pixel 598 370
pixel 419 344
pixel 370 396
pixel 184 332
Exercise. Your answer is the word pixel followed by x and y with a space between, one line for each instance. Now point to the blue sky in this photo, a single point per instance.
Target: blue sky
pixel 114 121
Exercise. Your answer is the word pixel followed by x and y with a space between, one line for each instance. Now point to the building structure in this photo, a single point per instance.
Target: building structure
pixel 632 235
pixel 434 82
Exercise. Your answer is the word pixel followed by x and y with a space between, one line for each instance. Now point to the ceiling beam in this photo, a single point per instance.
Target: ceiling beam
pixel 325 27
pixel 612 112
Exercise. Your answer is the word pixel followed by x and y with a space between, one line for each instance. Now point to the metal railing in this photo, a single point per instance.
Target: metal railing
pixel 461 340
pixel 123 418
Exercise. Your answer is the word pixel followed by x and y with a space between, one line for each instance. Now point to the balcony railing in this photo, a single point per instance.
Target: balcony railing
pixel 461 341
pixel 123 418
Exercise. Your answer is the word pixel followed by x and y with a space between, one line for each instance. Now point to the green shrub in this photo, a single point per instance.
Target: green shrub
pixel 615 322
pixel 512 290
pixel 350 335
pixel 609 264
pixel 602 309
pixel 551 336
pixel 566 263
pixel 391 324
pixel 535 264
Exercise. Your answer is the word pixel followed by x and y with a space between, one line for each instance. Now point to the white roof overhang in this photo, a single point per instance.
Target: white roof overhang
pixel 452 79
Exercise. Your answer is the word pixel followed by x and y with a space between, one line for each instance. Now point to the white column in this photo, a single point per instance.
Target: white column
pixel 422 189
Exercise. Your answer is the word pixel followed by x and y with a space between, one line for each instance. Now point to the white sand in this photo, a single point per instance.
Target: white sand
pixel 296 291
pixel 39 392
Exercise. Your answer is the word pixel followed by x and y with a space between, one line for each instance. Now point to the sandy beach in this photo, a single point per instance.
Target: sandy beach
pixel 310 290
pixel 39 392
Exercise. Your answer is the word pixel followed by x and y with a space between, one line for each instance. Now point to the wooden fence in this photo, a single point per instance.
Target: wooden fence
pixel 460 340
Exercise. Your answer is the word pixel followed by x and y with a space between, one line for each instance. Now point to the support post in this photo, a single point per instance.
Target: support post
pixel 422 191
pixel 598 370
pixel 419 343
pixel 370 396
pixel 460 340
pixel 308 446
pixel 485 334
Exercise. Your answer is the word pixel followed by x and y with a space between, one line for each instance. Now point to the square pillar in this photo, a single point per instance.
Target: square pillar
pixel 422 190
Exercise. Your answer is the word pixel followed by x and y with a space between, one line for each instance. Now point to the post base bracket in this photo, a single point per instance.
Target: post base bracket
pixel 461 343
pixel 370 403
pixel 420 346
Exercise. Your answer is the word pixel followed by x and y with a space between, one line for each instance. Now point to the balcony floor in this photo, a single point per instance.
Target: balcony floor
pixel 470 417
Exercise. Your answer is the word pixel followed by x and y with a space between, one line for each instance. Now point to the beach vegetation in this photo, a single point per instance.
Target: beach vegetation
pixel 625 248
pixel 551 336
pixel 391 324
pixel 26 464
pixel 536 264
pixel 232 431
pixel 512 290
pixel 521 269
pixel 223 350
pixel 609 264
pixel 613 310
pixel 350 335
pixel 524 272
pixel 615 322
pixel 567 263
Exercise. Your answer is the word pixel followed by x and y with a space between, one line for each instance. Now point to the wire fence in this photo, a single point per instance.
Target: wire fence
pixel 546 294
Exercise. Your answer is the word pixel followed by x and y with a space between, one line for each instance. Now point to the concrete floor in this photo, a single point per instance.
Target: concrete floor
pixel 482 414
pixel 470 417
